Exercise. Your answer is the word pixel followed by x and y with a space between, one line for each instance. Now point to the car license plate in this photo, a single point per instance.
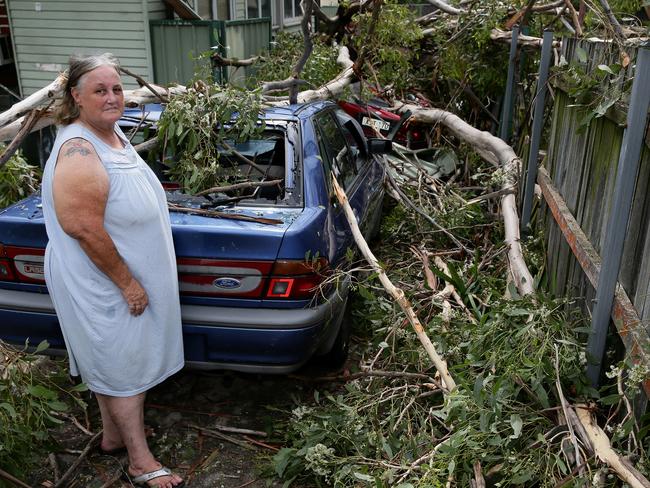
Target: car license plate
pixel 377 124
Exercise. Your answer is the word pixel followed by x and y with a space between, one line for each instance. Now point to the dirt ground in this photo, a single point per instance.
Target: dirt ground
pixel 175 410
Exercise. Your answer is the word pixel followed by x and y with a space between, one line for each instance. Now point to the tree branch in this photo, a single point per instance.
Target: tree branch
pixel 28 124
pixel 308 46
pixel 396 293
pixel 510 163
pixel 445 7
pixel 238 186
pixel 46 94
pixel 574 17
pixel 221 61
pixel 612 19
pixel 523 40
pixel 287 84
pixel 222 215
pixel 142 82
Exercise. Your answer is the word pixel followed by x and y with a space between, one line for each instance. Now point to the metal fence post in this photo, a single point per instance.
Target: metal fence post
pixel 536 133
pixel 612 249
pixel 506 115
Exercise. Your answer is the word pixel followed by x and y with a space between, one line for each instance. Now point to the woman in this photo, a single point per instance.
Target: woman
pixel 109 264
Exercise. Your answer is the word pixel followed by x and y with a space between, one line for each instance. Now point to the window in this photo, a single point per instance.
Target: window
pixel 335 151
pixel 292 9
pixel 258 8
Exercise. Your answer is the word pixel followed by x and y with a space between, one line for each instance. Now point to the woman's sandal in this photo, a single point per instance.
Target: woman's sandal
pixel 141 480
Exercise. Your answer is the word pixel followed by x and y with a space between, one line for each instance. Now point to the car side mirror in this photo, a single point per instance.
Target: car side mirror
pixel 379 146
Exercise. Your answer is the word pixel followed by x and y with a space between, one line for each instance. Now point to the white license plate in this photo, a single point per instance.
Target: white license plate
pixel 377 124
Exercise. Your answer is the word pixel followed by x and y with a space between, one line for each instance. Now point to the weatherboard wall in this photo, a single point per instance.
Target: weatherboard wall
pixel 46 33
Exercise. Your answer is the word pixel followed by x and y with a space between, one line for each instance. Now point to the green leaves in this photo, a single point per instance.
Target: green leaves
pixel 393 49
pixel 18 179
pixel 195 124
pixel 30 394
pixel 321 66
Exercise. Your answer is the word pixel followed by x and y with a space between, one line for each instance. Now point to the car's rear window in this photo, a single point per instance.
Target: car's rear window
pixel 252 172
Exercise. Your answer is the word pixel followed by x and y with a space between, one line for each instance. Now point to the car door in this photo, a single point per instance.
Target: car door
pixel 343 155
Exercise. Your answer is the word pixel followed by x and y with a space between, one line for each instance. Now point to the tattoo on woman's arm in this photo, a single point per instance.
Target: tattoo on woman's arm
pixel 77 146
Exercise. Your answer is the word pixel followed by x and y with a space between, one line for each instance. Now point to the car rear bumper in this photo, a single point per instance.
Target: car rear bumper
pixel 242 339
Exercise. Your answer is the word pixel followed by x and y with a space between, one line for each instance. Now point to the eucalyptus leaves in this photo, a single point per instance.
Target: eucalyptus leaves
pixel 195 125
pixel 18 179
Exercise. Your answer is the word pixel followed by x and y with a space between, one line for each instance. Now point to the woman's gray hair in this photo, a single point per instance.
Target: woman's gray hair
pixel 68 110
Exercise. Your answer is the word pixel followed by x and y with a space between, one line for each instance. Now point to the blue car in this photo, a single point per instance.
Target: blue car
pixel 259 285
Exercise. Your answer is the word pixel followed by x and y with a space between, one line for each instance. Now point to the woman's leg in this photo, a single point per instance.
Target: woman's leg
pixel 126 414
pixel 111 437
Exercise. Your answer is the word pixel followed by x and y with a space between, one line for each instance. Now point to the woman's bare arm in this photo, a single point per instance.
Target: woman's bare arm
pixel 80 189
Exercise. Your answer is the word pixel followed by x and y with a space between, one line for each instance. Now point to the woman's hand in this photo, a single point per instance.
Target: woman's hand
pixel 136 297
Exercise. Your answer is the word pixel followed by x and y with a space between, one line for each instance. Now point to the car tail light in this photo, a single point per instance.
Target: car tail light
pixel 6 273
pixel 22 264
pixel 297 279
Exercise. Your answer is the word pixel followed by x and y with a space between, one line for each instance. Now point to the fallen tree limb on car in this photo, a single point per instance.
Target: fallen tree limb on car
pixel 510 163
pixel 13 119
pixel 35 100
pixel 238 186
pixel 29 122
pixel 397 293
pixel 328 90
pixel 221 215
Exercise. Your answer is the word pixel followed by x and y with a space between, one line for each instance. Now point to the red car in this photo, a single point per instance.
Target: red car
pixel 374 119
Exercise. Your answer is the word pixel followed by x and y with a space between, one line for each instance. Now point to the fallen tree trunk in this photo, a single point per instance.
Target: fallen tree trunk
pixel 510 162
pixel 12 120
pixel 445 7
pixel 35 100
pixel 395 292
pixel 522 40
pixel 328 90
pixel 30 121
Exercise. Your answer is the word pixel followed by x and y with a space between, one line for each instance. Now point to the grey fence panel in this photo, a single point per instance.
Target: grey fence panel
pixel 583 163
pixel 243 39
pixel 176 42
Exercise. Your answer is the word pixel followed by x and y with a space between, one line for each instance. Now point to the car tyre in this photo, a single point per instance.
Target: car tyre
pixel 335 358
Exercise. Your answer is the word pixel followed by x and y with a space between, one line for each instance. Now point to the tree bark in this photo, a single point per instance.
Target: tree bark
pixel 29 122
pixel 445 7
pixel 606 454
pixel 523 40
pixel 46 94
pixel 510 162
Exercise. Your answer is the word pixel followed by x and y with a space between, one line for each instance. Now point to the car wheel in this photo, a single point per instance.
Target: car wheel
pixel 336 356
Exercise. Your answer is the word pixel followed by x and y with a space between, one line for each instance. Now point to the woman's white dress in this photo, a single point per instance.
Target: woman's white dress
pixel 115 352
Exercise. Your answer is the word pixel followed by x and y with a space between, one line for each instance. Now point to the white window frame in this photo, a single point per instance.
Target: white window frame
pixel 259 9
pixel 290 20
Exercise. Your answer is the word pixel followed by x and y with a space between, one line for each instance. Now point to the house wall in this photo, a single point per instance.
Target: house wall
pixel 46 33
pixel 157 10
